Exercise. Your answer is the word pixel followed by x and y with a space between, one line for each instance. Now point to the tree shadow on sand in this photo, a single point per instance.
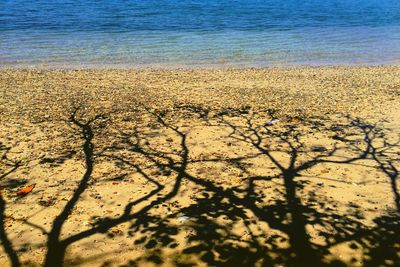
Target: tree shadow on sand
pixel 281 214
pixel 290 220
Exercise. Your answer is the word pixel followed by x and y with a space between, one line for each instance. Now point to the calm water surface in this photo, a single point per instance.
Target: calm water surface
pixel 171 33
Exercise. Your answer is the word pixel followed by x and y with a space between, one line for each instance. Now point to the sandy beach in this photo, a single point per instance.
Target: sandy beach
pixel 241 167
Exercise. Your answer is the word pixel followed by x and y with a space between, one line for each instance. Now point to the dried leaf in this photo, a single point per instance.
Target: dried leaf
pixel 25 190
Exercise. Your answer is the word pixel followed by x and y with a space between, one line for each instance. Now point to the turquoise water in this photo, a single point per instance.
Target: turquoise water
pixel 170 33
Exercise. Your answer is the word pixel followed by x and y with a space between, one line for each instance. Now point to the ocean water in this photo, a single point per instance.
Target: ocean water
pixel 203 33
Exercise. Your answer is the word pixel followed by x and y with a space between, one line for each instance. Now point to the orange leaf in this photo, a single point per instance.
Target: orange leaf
pixel 25 191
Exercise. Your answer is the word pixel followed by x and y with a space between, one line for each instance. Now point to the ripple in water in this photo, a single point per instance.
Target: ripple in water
pixel 244 33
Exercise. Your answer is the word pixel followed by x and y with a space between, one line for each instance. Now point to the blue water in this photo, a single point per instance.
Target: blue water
pixel 203 33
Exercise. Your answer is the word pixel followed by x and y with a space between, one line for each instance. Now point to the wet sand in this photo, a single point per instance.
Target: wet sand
pixel 263 167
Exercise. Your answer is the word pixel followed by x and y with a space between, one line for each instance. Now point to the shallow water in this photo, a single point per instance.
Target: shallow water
pixel 171 33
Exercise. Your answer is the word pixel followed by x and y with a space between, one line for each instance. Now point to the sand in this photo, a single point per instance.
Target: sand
pixel 248 167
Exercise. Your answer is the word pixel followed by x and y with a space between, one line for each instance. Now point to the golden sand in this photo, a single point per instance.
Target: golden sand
pixel 244 167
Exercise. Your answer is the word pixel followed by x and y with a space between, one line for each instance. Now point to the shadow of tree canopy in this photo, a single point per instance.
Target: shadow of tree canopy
pixel 259 202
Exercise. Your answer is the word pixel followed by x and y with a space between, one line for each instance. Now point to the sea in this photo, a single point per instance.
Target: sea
pixel 198 34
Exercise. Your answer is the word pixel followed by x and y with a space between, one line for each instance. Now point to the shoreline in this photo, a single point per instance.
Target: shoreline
pixel 188 67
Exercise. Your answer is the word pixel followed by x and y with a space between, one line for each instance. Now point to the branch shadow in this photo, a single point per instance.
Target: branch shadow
pixel 8 247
